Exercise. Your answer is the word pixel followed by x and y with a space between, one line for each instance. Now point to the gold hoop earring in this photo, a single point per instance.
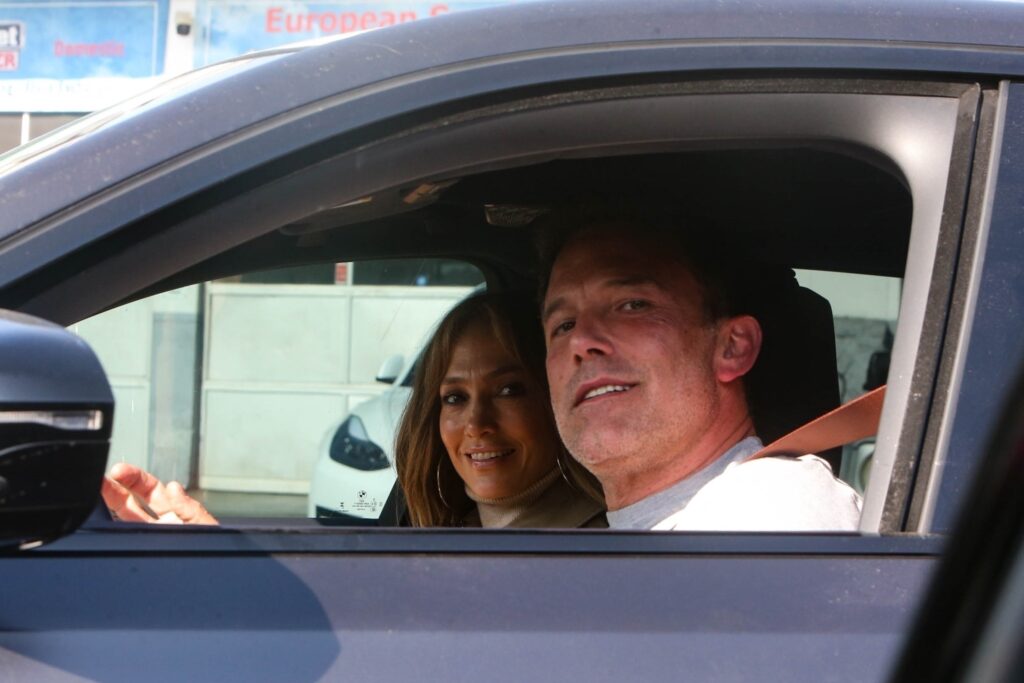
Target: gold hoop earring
pixel 558 461
pixel 440 493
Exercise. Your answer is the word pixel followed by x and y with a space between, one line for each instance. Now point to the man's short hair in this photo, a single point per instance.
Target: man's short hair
pixel 689 239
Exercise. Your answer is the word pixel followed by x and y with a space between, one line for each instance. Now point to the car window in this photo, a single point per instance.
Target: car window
pixel 275 393
pixel 865 310
pixel 799 188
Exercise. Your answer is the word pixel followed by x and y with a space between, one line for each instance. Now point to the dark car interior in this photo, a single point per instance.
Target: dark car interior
pixel 773 202
pixel 773 208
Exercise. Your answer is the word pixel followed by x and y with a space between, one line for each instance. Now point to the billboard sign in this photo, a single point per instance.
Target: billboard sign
pixel 75 56
pixel 234 27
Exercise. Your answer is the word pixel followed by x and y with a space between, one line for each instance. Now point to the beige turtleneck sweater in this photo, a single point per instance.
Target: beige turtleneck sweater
pixel 549 502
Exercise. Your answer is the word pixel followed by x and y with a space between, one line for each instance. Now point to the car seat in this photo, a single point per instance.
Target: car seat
pixel 795 379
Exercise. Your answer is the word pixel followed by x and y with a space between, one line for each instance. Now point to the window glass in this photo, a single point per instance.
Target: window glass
pixel 865 309
pixel 10 131
pixel 239 388
pixel 12 127
pixel 40 124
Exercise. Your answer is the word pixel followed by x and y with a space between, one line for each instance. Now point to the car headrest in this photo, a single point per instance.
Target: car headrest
pixel 794 379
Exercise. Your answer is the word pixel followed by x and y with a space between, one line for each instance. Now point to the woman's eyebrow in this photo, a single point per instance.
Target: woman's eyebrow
pixel 502 370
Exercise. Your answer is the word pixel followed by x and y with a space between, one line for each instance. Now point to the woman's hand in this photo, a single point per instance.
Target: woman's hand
pixel 134 495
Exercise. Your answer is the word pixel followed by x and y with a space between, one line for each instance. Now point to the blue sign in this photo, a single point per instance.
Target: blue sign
pixel 234 27
pixel 71 40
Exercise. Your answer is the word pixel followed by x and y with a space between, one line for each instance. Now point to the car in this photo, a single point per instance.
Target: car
pixel 355 469
pixel 363 442
pixel 862 158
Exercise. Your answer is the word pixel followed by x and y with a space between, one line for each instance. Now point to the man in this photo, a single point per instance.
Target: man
pixel 646 366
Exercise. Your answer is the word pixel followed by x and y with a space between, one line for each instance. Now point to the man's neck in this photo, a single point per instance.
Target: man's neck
pixel 631 487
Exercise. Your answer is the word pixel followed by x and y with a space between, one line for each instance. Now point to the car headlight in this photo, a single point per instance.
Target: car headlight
pixel 351 446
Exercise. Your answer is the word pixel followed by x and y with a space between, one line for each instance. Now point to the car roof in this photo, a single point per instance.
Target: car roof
pixel 265 85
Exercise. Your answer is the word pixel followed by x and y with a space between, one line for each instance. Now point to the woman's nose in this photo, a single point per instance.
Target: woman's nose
pixel 480 420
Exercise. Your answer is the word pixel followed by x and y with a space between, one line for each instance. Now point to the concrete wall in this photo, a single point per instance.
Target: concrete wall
pixel 281 366
pixel 284 364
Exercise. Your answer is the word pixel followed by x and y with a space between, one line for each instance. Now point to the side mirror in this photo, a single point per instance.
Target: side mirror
pixel 56 412
pixel 390 368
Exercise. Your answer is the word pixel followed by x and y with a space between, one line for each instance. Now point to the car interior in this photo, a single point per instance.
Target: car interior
pixel 474 186
pixel 769 206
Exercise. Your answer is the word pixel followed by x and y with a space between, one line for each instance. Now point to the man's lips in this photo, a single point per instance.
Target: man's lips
pixel 601 387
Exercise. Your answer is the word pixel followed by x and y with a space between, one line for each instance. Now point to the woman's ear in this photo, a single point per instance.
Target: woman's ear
pixel 739 343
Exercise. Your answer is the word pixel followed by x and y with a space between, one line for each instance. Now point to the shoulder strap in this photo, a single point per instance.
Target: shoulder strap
pixel 856 419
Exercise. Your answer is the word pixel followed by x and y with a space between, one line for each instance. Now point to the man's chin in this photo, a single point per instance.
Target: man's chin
pixel 596 455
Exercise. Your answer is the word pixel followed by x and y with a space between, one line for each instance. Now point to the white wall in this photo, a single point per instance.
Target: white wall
pixel 285 364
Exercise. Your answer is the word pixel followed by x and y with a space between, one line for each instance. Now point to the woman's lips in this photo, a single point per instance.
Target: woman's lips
pixel 488 456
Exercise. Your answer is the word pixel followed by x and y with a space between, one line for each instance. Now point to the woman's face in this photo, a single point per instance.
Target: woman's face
pixel 495 420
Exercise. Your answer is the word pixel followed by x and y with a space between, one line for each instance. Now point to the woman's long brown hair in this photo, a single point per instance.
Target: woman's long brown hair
pixel 434 493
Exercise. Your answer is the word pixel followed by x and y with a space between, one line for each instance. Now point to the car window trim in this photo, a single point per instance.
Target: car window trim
pixel 962 306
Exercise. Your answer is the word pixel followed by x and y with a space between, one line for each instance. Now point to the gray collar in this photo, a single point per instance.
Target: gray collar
pixel 646 513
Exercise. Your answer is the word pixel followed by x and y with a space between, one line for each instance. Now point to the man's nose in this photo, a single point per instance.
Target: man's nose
pixel 589 338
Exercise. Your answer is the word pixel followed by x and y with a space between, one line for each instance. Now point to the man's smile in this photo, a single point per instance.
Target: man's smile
pixel 601 387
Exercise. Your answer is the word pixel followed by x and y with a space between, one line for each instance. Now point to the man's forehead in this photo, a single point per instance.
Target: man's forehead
pixel 600 260
pixel 609 253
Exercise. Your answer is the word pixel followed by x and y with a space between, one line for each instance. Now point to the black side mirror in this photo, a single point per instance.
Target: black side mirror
pixel 56 412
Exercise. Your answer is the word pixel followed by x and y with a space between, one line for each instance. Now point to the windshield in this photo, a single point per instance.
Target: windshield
pixel 164 90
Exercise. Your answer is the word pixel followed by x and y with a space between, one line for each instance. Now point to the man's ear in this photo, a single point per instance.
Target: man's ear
pixel 739 343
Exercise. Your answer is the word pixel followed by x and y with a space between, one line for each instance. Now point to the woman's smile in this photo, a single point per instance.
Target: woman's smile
pixel 495 421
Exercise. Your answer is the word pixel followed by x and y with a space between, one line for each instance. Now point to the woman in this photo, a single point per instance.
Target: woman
pixel 477 445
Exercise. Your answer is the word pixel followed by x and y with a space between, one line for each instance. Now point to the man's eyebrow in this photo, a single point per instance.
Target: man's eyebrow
pixel 551 307
pixel 612 283
pixel 633 280
pixel 496 372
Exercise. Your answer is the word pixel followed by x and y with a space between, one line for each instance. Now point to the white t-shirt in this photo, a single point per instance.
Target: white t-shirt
pixel 737 494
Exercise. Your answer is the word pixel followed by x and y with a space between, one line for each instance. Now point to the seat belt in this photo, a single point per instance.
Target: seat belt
pixel 852 421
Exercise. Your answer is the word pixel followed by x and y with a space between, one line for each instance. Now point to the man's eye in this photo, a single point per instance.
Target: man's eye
pixel 635 305
pixel 562 327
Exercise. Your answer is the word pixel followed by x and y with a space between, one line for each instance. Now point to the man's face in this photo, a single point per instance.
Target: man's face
pixel 629 355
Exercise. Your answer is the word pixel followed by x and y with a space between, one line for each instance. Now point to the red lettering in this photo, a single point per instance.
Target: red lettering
pixel 369 20
pixel 8 61
pixel 274 20
pixel 329 22
pixel 111 48
pixel 438 9
pixel 277 20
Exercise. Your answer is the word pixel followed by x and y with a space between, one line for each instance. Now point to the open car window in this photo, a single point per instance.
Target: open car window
pixel 848 185
pixel 275 393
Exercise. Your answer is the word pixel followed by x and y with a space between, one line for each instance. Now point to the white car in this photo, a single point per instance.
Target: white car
pixel 355 469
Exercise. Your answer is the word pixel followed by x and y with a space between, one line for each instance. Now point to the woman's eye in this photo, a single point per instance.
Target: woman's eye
pixel 512 389
pixel 452 398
